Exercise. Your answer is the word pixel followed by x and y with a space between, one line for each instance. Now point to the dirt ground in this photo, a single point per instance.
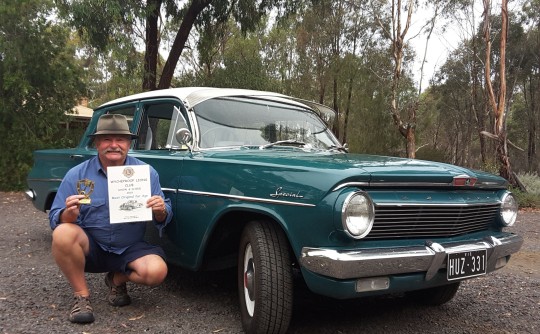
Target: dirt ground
pixel 35 298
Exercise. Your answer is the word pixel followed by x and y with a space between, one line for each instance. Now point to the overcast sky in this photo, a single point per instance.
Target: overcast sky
pixel 445 38
pixel 447 35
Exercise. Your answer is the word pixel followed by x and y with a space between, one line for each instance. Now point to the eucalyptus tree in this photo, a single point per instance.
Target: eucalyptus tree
pixel 396 19
pixel 243 65
pixel 331 38
pixel 370 128
pixel 456 125
pixel 361 35
pixel 279 54
pixel 146 24
pixel 498 96
pixel 394 27
pixel 480 79
pixel 529 83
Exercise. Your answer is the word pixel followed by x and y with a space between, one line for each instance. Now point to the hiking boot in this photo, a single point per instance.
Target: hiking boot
pixel 118 295
pixel 81 312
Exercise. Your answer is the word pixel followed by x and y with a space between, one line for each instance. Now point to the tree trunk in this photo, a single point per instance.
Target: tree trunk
pixel 532 112
pixel 397 39
pixel 347 110
pixel 196 7
pixel 498 106
pixel 478 110
pixel 152 41
pixel 411 142
pixel 500 124
pixel 337 123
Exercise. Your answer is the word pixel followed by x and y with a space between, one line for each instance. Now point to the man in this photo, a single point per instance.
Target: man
pixel 84 240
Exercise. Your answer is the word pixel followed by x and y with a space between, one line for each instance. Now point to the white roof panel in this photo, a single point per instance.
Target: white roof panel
pixel 195 95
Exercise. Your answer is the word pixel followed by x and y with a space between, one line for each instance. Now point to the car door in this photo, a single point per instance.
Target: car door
pixel 156 120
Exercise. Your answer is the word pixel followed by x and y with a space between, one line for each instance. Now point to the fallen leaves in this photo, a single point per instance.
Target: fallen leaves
pixel 137 318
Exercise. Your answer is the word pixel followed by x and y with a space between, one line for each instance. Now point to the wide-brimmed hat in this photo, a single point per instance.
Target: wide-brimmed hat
pixel 113 124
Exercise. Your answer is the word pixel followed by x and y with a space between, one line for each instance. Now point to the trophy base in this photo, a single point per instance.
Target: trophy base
pixel 85 201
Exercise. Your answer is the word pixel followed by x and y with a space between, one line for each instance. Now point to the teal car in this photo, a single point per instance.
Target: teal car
pixel 258 181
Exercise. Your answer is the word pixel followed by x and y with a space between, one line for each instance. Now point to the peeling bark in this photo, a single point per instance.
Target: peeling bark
pixel 498 106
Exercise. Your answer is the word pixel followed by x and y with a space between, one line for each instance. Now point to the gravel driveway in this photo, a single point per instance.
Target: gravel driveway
pixel 35 298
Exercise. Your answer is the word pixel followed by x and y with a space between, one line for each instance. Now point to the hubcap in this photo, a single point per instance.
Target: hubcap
pixel 249 278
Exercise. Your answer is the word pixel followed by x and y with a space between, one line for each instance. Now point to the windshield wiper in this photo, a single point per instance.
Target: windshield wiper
pixel 338 148
pixel 281 142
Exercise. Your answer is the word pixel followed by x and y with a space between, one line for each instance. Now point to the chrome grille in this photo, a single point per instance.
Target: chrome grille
pixel 433 221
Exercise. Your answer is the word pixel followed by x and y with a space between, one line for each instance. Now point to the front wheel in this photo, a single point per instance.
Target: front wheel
pixel 265 280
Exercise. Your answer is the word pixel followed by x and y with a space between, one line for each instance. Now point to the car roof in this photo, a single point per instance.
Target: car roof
pixel 192 96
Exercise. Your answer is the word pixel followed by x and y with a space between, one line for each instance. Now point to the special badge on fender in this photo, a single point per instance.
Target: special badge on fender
pixel 85 187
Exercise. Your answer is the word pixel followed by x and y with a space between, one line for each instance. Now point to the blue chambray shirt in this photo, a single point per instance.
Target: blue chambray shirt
pixel 94 217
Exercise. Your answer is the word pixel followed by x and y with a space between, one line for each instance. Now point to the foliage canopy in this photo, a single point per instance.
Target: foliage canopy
pixel 40 80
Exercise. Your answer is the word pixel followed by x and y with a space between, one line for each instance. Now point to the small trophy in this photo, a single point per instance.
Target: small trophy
pixel 85 187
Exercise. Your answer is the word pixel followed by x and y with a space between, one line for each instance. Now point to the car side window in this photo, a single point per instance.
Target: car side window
pixel 155 126
pixel 178 122
pixel 128 111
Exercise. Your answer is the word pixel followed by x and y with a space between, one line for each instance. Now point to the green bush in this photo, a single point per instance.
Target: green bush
pixel 531 198
pixel 40 79
pixel 531 182
pixel 527 200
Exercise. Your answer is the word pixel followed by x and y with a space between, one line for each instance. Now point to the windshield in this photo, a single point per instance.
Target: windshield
pixel 243 121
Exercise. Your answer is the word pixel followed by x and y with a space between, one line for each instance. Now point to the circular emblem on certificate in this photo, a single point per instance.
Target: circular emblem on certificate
pixel 128 172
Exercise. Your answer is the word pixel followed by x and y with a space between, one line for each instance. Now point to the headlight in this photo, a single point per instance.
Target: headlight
pixel 509 209
pixel 357 214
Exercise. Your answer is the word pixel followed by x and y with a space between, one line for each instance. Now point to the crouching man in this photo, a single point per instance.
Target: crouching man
pixel 84 240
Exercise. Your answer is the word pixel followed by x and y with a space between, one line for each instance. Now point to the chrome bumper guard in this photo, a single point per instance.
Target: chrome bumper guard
pixel 430 258
pixel 30 194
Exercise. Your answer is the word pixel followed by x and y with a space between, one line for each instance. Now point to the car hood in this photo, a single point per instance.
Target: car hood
pixel 373 170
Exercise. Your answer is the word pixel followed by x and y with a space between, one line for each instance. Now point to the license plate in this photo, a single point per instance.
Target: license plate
pixel 466 264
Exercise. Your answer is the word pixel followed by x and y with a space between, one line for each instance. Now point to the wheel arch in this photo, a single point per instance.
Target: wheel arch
pixel 49 200
pixel 222 244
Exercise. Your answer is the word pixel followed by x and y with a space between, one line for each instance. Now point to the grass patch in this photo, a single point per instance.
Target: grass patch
pixel 531 198
pixel 527 200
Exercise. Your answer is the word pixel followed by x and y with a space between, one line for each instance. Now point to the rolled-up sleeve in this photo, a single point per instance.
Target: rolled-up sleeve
pixel 67 188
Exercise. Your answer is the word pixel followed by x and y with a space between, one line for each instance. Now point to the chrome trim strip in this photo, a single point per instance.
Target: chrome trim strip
pixel 243 198
pixel 483 185
pixel 169 190
pixel 411 184
pixel 497 202
pixel 488 183
pixel 351 184
pixel 45 180
pixel 370 262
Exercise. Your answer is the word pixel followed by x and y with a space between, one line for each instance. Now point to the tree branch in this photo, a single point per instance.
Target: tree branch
pixel 495 137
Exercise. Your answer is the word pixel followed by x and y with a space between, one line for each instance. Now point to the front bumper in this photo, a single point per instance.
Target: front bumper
pixel 430 258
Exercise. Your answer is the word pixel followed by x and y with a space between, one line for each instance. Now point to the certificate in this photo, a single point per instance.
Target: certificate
pixel 129 189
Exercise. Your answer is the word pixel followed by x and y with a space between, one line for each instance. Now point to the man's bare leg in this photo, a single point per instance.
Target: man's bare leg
pixel 69 246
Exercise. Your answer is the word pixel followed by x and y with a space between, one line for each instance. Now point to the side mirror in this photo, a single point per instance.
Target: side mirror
pixel 183 136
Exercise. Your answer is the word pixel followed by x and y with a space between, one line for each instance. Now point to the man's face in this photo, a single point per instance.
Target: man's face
pixel 112 149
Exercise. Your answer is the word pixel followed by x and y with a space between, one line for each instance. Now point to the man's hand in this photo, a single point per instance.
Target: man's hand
pixel 158 207
pixel 72 210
